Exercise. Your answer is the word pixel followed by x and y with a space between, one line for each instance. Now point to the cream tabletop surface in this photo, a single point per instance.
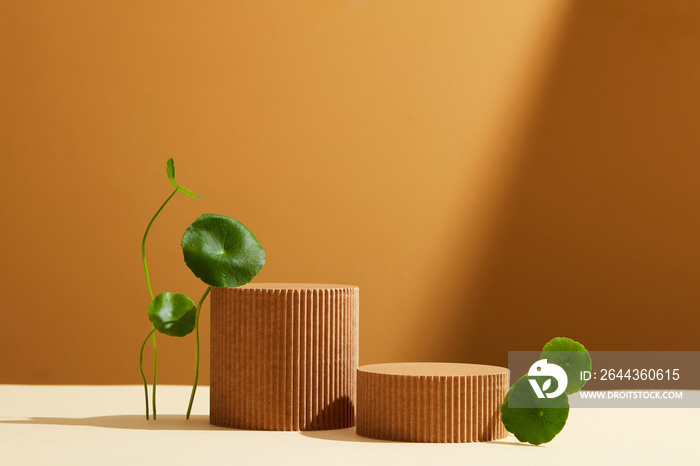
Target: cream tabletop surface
pixel 105 425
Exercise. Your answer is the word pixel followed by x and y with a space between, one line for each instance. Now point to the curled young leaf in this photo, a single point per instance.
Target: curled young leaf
pixel 172 314
pixel 571 356
pixel 221 251
pixel 540 421
pixel 170 171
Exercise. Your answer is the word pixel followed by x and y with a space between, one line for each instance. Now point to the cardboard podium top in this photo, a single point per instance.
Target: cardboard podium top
pixel 295 286
pixel 444 369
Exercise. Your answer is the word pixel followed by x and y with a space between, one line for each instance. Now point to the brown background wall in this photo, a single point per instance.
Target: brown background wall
pixel 490 173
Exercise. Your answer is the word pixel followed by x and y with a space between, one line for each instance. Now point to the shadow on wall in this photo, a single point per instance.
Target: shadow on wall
pixel 599 236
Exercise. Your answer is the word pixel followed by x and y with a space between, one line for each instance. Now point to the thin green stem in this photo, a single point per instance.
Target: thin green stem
pixel 155 368
pixel 143 243
pixel 143 376
pixel 150 291
pixel 196 350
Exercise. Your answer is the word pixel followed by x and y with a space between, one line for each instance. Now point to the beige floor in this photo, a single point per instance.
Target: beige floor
pixel 102 425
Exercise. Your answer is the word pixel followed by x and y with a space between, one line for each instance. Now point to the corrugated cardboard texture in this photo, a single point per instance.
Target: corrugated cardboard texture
pixel 284 356
pixel 431 402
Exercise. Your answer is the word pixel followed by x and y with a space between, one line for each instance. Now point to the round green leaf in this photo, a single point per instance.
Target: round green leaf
pixel 172 314
pixel 170 171
pixel 221 251
pixel 539 423
pixel 571 356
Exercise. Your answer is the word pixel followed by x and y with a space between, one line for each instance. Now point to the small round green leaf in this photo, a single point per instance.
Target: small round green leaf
pixel 170 171
pixel 539 423
pixel 172 314
pixel 571 356
pixel 221 251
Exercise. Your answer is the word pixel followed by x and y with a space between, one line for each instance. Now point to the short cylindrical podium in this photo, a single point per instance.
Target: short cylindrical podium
pixel 284 356
pixel 431 402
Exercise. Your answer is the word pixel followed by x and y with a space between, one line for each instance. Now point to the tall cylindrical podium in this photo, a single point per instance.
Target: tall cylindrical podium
pixel 284 356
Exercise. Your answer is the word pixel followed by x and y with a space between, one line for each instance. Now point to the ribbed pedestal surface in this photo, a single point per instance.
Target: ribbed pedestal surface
pixel 284 356
pixel 431 402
